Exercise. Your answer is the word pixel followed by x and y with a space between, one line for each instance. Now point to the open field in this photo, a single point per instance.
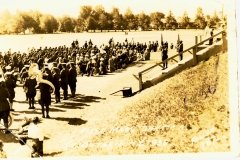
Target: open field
pixel 22 42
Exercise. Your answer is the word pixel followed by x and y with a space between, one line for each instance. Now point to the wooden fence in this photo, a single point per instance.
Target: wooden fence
pixel 194 53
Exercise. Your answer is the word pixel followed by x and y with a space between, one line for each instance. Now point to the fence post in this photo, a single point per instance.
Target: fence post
pixel 195 52
pixel 140 81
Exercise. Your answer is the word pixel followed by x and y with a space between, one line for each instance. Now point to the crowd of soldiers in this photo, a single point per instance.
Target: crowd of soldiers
pixel 67 63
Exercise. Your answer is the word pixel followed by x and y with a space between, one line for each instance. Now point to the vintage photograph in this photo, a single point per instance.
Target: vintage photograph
pixel 131 79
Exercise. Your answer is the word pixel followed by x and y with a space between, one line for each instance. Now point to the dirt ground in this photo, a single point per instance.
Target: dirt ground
pixel 77 125
pixel 93 103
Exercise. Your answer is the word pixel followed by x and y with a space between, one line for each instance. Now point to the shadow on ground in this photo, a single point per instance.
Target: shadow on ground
pixel 71 121
pixel 8 138
pixel 86 99
pixel 52 154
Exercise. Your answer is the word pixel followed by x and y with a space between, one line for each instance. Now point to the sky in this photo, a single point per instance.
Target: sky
pixel 72 7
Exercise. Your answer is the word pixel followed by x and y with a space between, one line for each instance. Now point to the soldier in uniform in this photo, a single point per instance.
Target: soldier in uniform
pixel 72 78
pixel 47 71
pixel 180 49
pixel 10 84
pixel 8 69
pixel 165 55
pixel 89 67
pixel 56 83
pixel 45 100
pixel 64 80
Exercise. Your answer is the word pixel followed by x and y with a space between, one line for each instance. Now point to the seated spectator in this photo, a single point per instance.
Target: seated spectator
pixel 36 134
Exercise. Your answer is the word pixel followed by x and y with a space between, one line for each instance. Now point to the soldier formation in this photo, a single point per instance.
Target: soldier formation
pixel 61 65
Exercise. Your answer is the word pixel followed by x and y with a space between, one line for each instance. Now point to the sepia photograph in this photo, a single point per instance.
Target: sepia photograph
pixel 119 79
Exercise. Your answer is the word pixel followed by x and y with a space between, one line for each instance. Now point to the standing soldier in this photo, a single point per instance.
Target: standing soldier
pixel 56 83
pixel 180 49
pixel 89 67
pixel 72 78
pixel 64 80
pixel 47 71
pixel 45 100
pixel 10 84
pixel 165 55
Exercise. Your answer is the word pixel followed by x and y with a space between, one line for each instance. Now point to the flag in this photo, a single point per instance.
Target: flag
pixel 162 39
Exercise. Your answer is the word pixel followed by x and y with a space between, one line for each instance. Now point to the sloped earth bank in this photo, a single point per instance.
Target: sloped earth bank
pixel 186 113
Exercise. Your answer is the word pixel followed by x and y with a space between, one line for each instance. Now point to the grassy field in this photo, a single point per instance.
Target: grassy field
pixel 23 42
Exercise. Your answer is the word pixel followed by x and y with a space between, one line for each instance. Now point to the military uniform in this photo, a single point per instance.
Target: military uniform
pixel 72 79
pixel 56 83
pixel 64 81
pixel 10 84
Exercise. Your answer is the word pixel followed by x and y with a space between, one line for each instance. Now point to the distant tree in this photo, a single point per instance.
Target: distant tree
pixel 200 21
pixel 103 21
pixel 91 23
pixel 67 24
pixel 214 19
pixel 80 25
pixel 156 19
pixel 6 21
pixel 185 20
pixel 129 19
pixel 143 20
pixel 36 25
pixel 170 20
pixel 28 22
pixel 48 23
pixel 85 12
pixel 98 10
pixel 116 18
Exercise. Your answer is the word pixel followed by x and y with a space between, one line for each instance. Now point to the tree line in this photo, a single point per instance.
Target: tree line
pixel 97 18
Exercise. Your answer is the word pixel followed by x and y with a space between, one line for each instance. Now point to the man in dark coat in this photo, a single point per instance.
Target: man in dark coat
pixel 45 100
pixel 64 80
pixel 72 78
pixel 10 84
pixel 4 104
pixel 180 49
pixel 56 83
pixel 47 71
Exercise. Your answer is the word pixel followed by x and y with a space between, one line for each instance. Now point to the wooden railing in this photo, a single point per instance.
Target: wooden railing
pixel 194 52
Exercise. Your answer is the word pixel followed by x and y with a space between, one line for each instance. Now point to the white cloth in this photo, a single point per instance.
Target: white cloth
pixel 23 152
pixel 35 132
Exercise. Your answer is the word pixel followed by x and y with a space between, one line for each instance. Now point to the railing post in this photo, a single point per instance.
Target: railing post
pixel 195 52
pixel 140 81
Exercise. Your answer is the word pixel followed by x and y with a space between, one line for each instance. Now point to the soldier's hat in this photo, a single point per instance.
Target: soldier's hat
pixel 81 57
pixel 86 55
pixel 8 73
pixel 26 65
pixel 101 59
pixel 8 67
pixel 63 63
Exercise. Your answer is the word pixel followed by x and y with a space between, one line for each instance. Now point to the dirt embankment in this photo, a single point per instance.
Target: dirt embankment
pixel 188 113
